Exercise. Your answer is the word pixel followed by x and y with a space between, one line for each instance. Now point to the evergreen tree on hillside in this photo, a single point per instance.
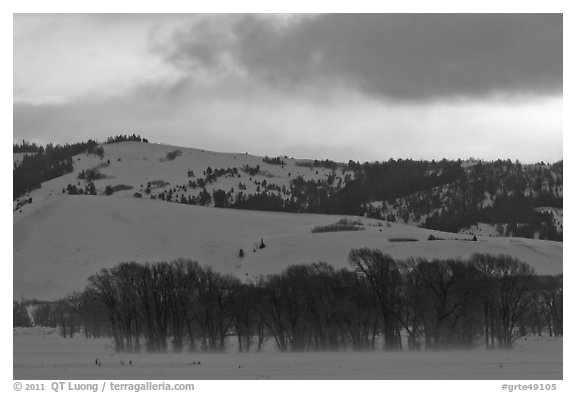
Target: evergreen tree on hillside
pixel 48 163
pixel 204 197
pixel 220 198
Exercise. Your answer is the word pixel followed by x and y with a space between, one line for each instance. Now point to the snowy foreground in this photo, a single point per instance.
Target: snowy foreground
pixel 42 354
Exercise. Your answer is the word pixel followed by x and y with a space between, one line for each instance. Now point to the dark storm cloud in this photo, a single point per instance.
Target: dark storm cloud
pixel 362 87
pixel 205 40
pixel 401 56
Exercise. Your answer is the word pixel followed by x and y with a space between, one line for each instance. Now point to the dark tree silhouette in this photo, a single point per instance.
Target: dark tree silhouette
pixel 438 303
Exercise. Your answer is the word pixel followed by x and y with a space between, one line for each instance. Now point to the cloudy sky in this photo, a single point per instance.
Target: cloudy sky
pixel 361 87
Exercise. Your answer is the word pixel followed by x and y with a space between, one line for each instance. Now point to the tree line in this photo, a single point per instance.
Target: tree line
pixel 52 161
pixel 26 147
pixel 484 300
pixel 47 163
pixel 439 195
pixel 126 138
pixel 516 213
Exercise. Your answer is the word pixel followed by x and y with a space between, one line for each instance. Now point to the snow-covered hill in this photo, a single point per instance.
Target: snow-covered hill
pixel 166 167
pixel 61 239
pixel 59 243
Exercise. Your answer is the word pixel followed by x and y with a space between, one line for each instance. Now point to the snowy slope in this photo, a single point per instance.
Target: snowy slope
pixel 135 164
pixel 60 242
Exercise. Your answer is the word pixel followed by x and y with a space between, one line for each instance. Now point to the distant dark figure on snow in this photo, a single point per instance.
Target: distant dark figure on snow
pixel 241 253
pixel 262 245
pixel 474 238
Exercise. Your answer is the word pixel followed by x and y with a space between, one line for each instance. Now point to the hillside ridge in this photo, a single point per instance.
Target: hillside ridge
pixel 502 197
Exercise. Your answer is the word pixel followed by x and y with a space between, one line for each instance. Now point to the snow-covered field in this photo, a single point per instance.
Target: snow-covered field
pixel 42 354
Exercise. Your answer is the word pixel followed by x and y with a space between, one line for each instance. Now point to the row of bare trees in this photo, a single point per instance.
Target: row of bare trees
pixel 453 303
pixel 485 300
